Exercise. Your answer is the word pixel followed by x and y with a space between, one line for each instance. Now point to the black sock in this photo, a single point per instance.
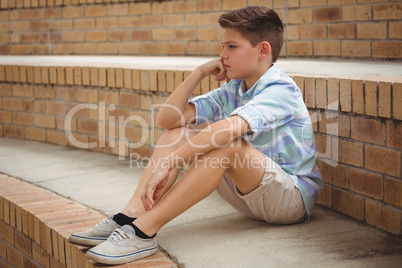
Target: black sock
pixel 140 233
pixel 122 219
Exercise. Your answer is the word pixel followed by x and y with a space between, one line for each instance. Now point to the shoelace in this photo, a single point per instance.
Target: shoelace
pixel 103 222
pixel 119 236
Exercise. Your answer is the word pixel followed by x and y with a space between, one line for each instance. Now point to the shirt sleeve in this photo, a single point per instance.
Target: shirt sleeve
pixel 208 107
pixel 267 111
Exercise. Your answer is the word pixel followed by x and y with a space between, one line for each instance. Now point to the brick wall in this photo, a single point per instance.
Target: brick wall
pixel 315 28
pixel 34 232
pixel 357 125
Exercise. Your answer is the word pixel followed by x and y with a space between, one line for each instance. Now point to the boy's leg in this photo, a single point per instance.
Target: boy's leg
pixel 197 183
pixel 202 178
pixel 170 141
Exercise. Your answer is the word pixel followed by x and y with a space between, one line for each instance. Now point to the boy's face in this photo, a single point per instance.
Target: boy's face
pixel 240 59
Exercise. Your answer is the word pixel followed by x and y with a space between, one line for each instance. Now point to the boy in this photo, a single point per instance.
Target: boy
pixel 259 152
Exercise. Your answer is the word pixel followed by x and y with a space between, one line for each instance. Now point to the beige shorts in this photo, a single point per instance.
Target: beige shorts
pixel 276 200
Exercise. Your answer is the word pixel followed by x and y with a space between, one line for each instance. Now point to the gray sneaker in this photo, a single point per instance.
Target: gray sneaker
pixel 123 246
pixel 96 235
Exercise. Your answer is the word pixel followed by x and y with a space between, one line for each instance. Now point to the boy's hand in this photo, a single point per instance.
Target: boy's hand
pixel 215 68
pixel 154 187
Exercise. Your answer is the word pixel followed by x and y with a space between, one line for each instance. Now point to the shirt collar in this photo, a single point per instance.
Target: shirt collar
pixel 268 75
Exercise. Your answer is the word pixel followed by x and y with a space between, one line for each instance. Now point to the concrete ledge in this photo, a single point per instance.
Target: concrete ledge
pixel 35 224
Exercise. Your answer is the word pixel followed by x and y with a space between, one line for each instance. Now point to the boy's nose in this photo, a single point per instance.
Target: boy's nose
pixel 223 54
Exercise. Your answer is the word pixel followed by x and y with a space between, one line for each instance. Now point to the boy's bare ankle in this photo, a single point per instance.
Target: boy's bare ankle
pixel 132 213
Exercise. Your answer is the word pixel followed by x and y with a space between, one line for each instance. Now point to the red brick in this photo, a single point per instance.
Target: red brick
pixel 13 131
pixel 119 77
pixel 56 108
pixel 37 134
pixel 5 90
pixel 6 232
pixel 153 82
pixel 384 99
pixel 387 49
pixel 387 11
pixel 327 14
pixel 321 92
pixel 357 96
pixel 23 243
pixel 394 134
pixel 356 12
pixel 29 263
pixel 393 190
pixel 197 48
pixel 348 203
pixel 44 92
pixel 327 48
pixel 18 219
pixel 5 117
pixel 3 250
pixel 87 95
pixel 111 81
pixel 335 173
pixel 334 123
pixel 368 130
pixel 40 255
pixel 66 93
pixel 209 5
pixel 333 94
pixel 102 77
pixel 129 99
pixel 23 74
pixel 90 127
pixel 47 121
pixel 300 48
pixel 22 90
pixel 61 76
pixel 383 217
pixel 1 208
pixel 86 78
pixel 56 137
pixel 395 30
pixel 370 93
pixel 108 97
pixel 371 31
pixel 309 84
pixel 348 152
pixel 383 160
pixel 366 183
pixel 300 16
pixel 356 49
pixel 325 198
pixel 26 119
pixel 29 105
pixel 397 100
pixel 14 257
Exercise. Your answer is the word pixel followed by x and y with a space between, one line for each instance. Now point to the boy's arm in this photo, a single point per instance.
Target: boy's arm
pixel 216 135
pixel 176 111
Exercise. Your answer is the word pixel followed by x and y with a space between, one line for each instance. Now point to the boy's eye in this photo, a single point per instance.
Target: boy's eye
pixel 229 46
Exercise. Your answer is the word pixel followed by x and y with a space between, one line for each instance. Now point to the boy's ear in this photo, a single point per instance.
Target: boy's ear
pixel 265 49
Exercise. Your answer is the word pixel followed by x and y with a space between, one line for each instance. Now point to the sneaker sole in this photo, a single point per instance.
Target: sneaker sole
pixel 121 259
pixel 85 241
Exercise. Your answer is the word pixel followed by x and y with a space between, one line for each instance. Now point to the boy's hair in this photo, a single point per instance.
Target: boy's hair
pixel 257 24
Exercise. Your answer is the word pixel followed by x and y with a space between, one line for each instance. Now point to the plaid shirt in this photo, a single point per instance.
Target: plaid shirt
pixel 280 125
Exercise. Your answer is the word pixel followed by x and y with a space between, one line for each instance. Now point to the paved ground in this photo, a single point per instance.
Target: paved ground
pixel 368 70
pixel 211 234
